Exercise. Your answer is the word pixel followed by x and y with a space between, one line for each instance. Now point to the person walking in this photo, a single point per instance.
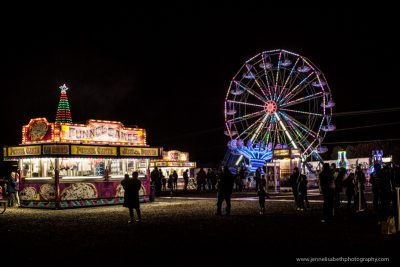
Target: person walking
pixel 327 187
pixel 302 192
pixel 131 195
pixel 225 187
pixel 262 194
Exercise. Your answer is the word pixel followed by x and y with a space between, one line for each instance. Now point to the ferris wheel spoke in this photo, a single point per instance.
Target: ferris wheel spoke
pixel 266 75
pixel 277 74
pixel 300 87
pixel 252 92
pixel 248 130
pixel 262 124
pixel 296 133
pixel 245 103
pixel 285 130
pixel 264 92
pixel 287 79
pixel 267 133
pixel 302 112
pixel 304 128
pixel 303 99
pixel 246 117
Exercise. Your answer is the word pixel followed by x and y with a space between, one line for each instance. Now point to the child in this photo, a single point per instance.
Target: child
pixel 248 185
pixel 262 193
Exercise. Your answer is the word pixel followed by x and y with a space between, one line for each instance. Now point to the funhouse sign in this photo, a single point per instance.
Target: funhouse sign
pixel 103 132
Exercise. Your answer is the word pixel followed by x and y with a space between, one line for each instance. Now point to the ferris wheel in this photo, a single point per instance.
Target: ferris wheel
pixel 282 99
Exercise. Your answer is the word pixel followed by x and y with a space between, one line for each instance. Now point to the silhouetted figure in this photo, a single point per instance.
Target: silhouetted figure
pixel 201 179
pixel 164 183
pixel 257 177
pixel 11 189
pixel 359 182
pixel 242 176
pixel 131 195
pixel 171 184
pixel 302 192
pixel 385 194
pixel 327 187
pixel 175 176
pixel 225 187
pixel 185 180
pixel 159 183
pixel 339 186
pixel 262 194
pixel 350 189
pixel 154 176
pixel 214 180
pixel 293 179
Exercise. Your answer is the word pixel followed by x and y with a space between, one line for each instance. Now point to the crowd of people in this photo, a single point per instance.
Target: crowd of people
pixel 335 184
pixel 333 181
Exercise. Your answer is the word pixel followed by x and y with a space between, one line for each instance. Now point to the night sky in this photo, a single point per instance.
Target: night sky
pixel 168 69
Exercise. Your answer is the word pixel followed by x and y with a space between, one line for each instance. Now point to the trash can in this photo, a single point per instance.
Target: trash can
pixel 152 193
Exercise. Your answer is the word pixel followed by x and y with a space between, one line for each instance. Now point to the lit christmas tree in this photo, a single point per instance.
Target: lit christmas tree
pixel 63 111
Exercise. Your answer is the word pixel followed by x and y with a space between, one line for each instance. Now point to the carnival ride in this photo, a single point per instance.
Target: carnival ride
pixel 277 98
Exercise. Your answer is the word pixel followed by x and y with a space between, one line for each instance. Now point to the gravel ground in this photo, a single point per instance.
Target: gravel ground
pixel 187 232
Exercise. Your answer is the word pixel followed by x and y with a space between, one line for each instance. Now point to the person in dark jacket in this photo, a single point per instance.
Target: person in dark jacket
pixel 185 180
pixel 262 194
pixel 327 185
pixel 350 189
pixel 302 192
pixel 11 189
pixel 131 195
pixel 225 187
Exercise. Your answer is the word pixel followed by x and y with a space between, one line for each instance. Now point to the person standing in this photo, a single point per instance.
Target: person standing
pixel 359 181
pixel 11 189
pixel 257 177
pixel 154 176
pixel 225 187
pixel 175 176
pixel 327 184
pixel 131 195
pixel 185 180
pixel 350 190
pixel 262 194
pixel 17 181
pixel 302 192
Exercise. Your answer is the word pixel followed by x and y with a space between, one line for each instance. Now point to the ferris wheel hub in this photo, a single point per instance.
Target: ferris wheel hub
pixel 271 107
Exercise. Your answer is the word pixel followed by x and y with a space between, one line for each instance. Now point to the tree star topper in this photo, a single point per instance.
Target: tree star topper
pixel 63 87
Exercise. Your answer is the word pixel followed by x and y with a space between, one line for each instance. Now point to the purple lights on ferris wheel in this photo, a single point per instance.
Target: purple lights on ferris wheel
pixel 286 63
pixel 303 69
pixel 319 83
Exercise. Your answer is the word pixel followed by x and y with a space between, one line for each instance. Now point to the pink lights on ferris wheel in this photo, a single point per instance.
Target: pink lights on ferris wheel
pixel 270 107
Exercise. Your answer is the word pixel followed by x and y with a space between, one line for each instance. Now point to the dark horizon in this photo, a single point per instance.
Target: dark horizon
pixel 168 69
